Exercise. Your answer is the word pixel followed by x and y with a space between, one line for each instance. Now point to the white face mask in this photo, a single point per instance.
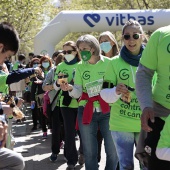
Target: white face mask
pixel 69 57
pixel 45 64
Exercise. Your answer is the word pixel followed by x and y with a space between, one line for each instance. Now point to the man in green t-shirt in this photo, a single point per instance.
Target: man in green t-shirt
pixel 154 101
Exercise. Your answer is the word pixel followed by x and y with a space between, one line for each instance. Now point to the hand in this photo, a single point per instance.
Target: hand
pixel 7 109
pixel 66 87
pixel 121 89
pixel 20 101
pixel 148 113
pixel 48 87
pixel 38 81
pixel 39 71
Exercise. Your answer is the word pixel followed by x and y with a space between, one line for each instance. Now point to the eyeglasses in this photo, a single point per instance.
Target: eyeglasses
pixel 36 63
pixel 68 52
pixel 135 36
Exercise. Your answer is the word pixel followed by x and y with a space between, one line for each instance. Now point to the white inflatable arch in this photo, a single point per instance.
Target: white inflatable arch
pixel 98 20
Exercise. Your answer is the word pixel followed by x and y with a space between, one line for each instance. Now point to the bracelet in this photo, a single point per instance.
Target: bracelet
pixel 1 110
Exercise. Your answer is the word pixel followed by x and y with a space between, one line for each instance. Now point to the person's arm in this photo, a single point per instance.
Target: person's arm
pixel 111 95
pixel 20 74
pixel 5 109
pixel 48 81
pixel 75 91
pixel 144 77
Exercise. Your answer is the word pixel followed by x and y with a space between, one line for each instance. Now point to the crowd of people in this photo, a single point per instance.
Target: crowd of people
pixel 95 90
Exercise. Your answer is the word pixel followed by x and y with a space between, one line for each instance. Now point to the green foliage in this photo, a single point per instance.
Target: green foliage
pixel 27 16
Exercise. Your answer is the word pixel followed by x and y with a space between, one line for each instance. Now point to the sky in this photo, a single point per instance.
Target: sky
pixel 56 3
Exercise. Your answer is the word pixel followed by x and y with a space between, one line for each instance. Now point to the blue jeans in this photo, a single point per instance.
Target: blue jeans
pixel 124 143
pixel 90 144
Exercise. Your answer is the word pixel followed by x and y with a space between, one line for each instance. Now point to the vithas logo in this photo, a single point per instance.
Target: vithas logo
pixel 90 19
pixel 118 19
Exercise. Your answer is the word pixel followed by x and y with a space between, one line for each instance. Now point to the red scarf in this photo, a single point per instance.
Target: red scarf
pixel 88 110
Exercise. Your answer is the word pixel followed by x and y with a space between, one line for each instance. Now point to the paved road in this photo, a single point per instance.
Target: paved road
pixel 36 151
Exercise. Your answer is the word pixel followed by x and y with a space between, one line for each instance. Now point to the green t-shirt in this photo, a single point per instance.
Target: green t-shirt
pixel 15 66
pixel 3 87
pixel 156 56
pixel 164 141
pixel 67 69
pixel 90 77
pixel 124 117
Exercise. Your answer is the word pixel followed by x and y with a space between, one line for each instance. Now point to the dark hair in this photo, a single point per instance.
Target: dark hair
pixel 21 57
pixel 73 45
pixel 38 56
pixel 32 61
pixel 55 54
pixel 46 58
pixel 31 54
pixel 59 59
pixel 9 37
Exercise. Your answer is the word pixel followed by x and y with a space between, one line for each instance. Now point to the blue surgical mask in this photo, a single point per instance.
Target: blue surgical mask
pixel 35 65
pixel 45 64
pixel 105 46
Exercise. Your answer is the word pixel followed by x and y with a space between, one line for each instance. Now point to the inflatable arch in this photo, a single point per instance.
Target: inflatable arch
pixel 98 20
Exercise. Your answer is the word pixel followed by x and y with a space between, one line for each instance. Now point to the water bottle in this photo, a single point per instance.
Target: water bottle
pixel 32 105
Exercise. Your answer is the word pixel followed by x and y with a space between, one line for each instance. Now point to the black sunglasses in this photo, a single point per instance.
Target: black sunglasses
pixel 135 36
pixel 36 63
pixel 68 52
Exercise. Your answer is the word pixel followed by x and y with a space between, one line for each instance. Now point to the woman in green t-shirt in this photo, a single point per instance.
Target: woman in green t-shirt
pixel 125 110
pixel 68 105
pixel 93 112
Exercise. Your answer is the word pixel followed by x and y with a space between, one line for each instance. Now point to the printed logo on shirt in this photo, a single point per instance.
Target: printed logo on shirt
pixel 168 48
pixel 86 75
pixel 65 71
pixel 101 72
pixel 124 74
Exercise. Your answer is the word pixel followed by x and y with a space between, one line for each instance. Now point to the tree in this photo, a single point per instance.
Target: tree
pixel 27 16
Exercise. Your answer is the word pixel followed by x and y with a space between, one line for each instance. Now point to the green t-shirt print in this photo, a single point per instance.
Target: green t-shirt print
pixel 4 87
pixel 156 56
pixel 124 117
pixel 88 75
pixel 67 69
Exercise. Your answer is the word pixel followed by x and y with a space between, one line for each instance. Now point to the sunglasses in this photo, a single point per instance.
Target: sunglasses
pixel 68 52
pixel 135 36
pixel 36 63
